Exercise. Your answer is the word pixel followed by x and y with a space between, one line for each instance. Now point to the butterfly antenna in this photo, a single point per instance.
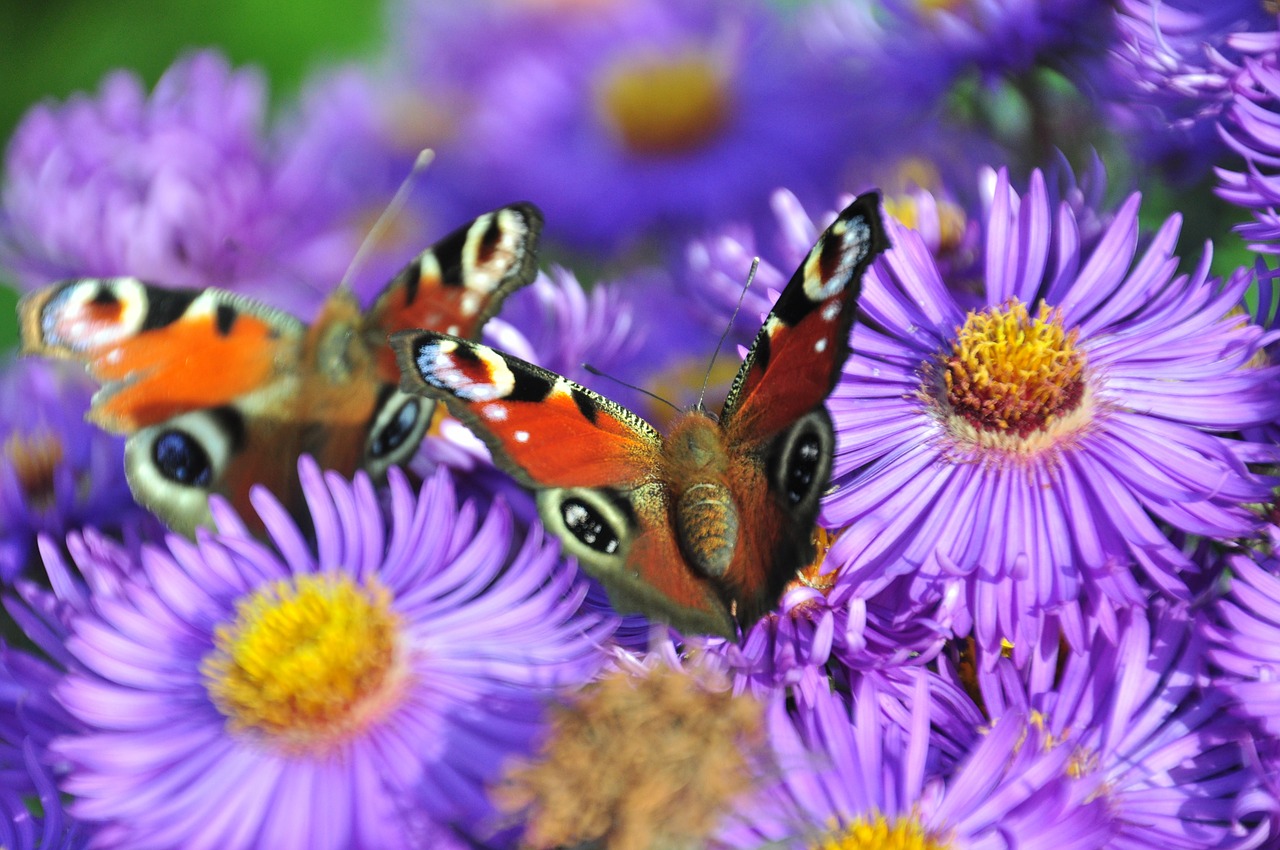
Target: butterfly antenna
pixel 593 370
pixel 751 275
pixel 388 215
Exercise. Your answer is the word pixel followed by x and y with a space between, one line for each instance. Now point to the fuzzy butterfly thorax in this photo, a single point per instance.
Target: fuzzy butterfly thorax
pixel 703 528
pixel 218 393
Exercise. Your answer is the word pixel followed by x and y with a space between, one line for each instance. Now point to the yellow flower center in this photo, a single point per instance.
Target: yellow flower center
pixel 952 221
pixel 35 459
pixel 1010 381
pixel 812 575
pixel 933 6
pixel 661 106
pixel 308 662
pixel 879 833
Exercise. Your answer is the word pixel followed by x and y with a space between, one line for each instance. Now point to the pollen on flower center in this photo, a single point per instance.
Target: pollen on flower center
pixel 307 661
pixel 812 575
pixel 1009 376
pixel 661 106
pixel 35 459
pixel 880 833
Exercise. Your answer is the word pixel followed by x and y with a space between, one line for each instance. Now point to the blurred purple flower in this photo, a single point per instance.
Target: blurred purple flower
pixel 1170 75
pixel 625 120
pixel 363 691
pixel 1251 127
pixel 57 472
pixel 920 50
pixel 53 828
pixel 557 324
pixel 1110 416
pixel 180 187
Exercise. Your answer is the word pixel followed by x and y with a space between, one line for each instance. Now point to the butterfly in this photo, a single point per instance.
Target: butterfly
pixel 702 528
pixel 217 392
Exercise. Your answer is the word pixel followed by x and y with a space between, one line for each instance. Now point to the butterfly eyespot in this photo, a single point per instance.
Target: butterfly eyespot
pixel 399 423
pixel 592 526
pixel 181 459
pixel 801 465
pixel 172 467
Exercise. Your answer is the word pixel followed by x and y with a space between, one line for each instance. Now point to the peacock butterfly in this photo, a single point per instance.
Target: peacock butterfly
pixel 707 525
pixel 218 392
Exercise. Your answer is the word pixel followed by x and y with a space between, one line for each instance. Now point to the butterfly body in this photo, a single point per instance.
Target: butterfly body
pixel 217 392
pixel 702 528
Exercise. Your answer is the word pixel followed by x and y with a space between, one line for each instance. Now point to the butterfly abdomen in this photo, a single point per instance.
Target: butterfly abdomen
pixel 705 512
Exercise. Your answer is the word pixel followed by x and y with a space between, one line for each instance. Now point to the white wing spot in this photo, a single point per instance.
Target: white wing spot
pixel 820 346
pixel 494 412
pixel 470 304
pixel 831 311
pixel 522 436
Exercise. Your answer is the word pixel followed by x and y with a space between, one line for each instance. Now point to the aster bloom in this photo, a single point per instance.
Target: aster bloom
pixel 1086 403
pixel 175 187
pixel 237 694
pixel 1170 72
pixel 847 777
pixel 923 48
pixel 57 472
pixel 826 622
pixel 54 829
pixel 1145 727
pixel 1251 127
pixel 632 118
pixel 338 164
pixel 1244 634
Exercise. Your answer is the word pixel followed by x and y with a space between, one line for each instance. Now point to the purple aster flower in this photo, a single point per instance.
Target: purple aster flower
pixel 363 692
pixel 175 187
pixel 628 119
pixel 1251 127
pixel 847 776
pixel 1169 75
pixel 1244 632
pixel 920 50
pixel 57 472
pixel 1144 728
pixel 339 163
pixel 1084 407
pixel 53 829
pixel 826 622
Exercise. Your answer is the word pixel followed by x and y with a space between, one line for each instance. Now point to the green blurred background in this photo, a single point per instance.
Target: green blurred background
pixel 51 48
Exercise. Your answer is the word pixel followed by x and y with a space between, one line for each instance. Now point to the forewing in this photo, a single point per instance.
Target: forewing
pixel 459 282
pixel 157 352
pixel 796 358
pixel 541 427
